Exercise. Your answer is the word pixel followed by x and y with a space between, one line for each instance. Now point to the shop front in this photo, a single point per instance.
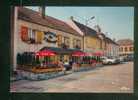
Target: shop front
pixel 46 59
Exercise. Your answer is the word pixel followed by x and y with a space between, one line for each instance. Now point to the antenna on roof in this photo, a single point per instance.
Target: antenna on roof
pixel 97 28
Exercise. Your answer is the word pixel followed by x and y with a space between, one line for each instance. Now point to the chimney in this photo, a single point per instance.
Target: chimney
pixel 71 17
pixel 42 11
pixel 97 28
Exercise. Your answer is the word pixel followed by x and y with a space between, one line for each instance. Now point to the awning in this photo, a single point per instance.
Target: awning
pixel 98 54
pixel 45 53
pixel 78 53
pixel 88 54
pixel 60 50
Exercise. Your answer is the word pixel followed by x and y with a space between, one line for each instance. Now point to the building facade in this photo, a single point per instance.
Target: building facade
pixel 92 43
pixel 33 32
pixel 112 48
pixel 126 47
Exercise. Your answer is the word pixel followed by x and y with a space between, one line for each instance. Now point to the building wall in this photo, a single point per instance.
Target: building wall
pixel 112 50
pixel 91 43
pixel 103 46
pixel 122 50
pixel 73 25
pixel 20 46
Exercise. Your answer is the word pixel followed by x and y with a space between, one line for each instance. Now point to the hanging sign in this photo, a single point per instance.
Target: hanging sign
pixel 50 37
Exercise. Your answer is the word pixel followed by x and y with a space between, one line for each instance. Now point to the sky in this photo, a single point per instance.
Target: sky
pixel 115 22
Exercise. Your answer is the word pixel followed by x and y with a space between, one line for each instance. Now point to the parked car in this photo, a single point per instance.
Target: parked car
pixel 110 60
pixel 128 58
pixel 121 59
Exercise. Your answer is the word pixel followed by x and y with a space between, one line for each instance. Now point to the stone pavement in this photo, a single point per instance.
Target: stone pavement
pixel 111 78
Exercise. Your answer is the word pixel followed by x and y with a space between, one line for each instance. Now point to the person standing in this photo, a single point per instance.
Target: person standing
pixel 70 64
pixel 60 64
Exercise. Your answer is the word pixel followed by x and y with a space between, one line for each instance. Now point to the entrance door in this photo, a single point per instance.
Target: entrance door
pixel 64 57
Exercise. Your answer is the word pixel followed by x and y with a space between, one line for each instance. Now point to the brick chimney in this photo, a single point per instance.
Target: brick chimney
pixel 42 11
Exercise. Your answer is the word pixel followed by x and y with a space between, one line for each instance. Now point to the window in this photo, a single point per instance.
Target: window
pixel 126 49
pixel 59 40
pixel 76 43
pixel 31 36
pixel 130 48
pixel 121 49
pixel 66 41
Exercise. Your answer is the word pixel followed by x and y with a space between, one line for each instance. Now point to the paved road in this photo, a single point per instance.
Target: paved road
pixel 113 78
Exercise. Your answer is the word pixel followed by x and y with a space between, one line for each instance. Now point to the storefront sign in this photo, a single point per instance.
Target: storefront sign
pixel 50 37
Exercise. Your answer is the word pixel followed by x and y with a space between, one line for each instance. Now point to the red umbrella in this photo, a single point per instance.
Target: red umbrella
pixel 78 53
pixel 98 54
pixel 88 54
pixel 45 53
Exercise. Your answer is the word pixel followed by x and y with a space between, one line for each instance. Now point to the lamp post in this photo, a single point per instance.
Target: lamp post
pixel 86 23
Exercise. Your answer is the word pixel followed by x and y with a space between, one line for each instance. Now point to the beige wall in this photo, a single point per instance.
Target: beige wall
pixel 91 43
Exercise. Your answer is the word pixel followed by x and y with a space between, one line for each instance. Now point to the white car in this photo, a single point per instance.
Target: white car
pixel 121 59
pixel 107 60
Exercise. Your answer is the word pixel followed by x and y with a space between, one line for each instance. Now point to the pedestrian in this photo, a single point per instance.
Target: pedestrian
pixel 66 65
pixel 70 64
pixel 60 64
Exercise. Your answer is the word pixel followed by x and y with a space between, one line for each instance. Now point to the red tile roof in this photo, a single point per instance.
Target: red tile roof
pixel 35 17
pixel 125 42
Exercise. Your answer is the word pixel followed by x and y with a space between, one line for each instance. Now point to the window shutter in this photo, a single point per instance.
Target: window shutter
pixel 59 40
pixel 40 36
pixel 24 33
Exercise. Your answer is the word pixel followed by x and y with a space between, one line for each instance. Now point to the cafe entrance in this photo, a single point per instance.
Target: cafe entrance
pixel 64 57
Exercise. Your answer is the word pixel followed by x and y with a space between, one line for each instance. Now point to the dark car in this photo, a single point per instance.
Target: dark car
pixel 128 58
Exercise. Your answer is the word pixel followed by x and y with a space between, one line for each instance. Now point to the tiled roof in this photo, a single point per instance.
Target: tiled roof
pixel 111 41
pixel 35 17
pixel 86 30
pixel 125 42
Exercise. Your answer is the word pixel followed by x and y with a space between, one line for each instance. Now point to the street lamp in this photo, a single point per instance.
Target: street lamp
pixel 86 23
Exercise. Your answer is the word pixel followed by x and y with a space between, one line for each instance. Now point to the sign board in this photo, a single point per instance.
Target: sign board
pixel 50 37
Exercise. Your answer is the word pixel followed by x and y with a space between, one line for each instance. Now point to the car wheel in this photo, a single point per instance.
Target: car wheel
pixel 110 63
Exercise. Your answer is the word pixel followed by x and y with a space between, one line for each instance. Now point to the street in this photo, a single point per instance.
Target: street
pixel 109 78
